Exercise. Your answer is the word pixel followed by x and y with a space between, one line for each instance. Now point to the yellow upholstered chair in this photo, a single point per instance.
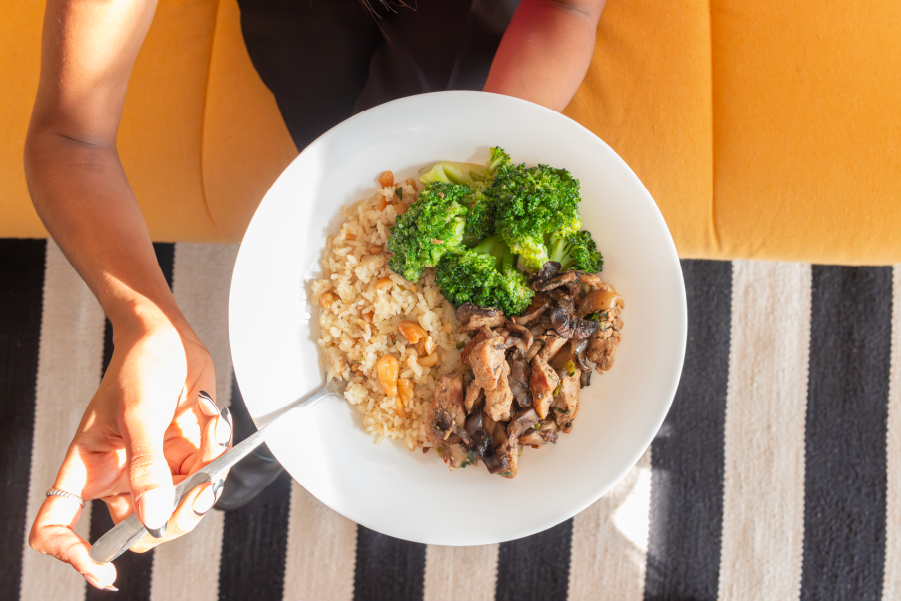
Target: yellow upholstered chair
pixel 764 130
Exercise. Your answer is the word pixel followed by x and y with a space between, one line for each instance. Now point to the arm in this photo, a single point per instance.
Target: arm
pixel 545 53
pixel 147 404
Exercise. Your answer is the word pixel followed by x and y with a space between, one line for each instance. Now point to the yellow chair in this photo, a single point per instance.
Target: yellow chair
pixel 764 130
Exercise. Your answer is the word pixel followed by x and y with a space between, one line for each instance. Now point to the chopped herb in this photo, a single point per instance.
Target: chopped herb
pixel 470 459
pixel 569 367
pixel 537 425
pixel 400 193
pixel 461 345
pixel 355 362
pixel 557 390
pixel 441 448
pixel 507 473
pixel 401 288
pixel 595 317
pixel 568 425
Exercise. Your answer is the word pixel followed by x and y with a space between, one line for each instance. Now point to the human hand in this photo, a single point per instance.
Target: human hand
pixel 148 427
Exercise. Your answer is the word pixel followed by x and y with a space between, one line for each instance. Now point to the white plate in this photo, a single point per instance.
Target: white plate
pixel 407 494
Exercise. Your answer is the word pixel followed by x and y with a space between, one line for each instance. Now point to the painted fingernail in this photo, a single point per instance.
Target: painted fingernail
pixel 93 582
pixel 209 404
pixel 204 501
pixel 158 532
pixel 224 427
pixel 218 487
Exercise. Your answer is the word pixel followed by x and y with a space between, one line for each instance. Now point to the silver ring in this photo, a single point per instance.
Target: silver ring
pixel 55 492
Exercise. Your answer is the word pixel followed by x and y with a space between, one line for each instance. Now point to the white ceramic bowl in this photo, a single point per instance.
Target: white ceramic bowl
pixel 387 488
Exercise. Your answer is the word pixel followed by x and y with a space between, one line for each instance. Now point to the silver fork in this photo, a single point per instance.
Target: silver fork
pixel 127 532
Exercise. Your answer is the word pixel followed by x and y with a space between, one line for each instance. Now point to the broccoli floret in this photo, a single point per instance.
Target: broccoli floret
pixel 447 172
pixel 497 159
pixel 479 219
pixel 432 226
pixel 576 251
pixel 485 275
pixel 532 204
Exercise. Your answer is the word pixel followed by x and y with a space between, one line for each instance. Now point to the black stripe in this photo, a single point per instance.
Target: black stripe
pixel 22 275
pixel 845 436
pixel 535 567
pixel 133 569
pixel 255 537
pixel 387 568
pixel 687 455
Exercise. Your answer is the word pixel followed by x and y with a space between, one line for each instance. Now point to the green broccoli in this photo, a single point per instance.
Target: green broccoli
pixel 577 251
pixel 485 275
pixel 533 203
pixel 447 172
pixel 432 226
pixel 479 219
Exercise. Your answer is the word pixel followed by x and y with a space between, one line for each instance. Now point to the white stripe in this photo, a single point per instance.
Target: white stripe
pixel 188 568
pixel 453 573
pixel 69 363
pixel 319 562
pixel 766 400
pixel 201 278
pixel 891 587
pixel 610 541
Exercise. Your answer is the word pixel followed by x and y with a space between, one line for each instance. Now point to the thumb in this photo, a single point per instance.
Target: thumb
pixel 149 477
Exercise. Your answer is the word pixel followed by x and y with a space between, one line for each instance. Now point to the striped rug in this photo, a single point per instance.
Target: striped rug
pixel 777 474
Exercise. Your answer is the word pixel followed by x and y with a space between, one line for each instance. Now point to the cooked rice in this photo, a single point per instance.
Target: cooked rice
pixel 353 262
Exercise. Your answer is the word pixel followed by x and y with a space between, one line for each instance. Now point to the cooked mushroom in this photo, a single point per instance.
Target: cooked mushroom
pixel 446 420
pixel 520 371
pixel 564 278
pixel 546 433
pixel 547 271
pixel 525 336
pixel 579 348
pixel 474 317
pixel 599 300
pixel 534 314
pixel 521 423
pixel 481 440
pixel 573 327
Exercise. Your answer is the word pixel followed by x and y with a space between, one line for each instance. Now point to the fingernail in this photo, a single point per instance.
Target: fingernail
pixel 209 405
pixel 158 532
pixel 93 582
pixel 204 500
pixel 217 489
pixel 224 428
pixel 154 510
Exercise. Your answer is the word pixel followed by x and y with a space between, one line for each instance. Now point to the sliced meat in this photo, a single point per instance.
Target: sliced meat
pixel 542 382
pixel 473 397
pixel 552 345
pixel 520 371
pixel 446 418
pixel 603 350
pixel 567 277
pixel 546 433
pixel 566 403
pixel 487 360
pixel 467 350
pixel 499 400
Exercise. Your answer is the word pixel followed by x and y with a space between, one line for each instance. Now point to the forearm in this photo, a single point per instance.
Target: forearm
pixel 82 195
pixel 546 51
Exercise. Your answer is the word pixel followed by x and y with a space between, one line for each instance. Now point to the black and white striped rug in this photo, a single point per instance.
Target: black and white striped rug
pixel 777 474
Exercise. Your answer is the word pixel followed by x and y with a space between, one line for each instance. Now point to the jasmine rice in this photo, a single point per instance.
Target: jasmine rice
pixel 361 302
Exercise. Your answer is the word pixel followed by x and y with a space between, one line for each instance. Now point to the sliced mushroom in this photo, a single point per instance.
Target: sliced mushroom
pixel 525 336
pixel 546 433
pixel 474 317
pixel 564 278
pixel 521 423
pixel 573 327
pixel 599 300
pixel 533 314
pixel 520 371
pixel 548 270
